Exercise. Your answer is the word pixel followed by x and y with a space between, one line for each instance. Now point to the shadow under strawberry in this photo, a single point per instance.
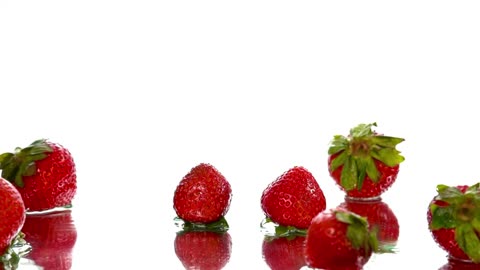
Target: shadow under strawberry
pixel 52 237
pixel 380 217
pixel 203 250
pixel 284 253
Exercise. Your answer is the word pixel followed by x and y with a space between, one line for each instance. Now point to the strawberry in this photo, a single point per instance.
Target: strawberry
pixel 203 195
pixel 454 221
pixel 284 253
pixel 339 239
pixel 12 214
pixel 364 164
pixel 52 237
pixel 44 173
pixel 379 216
pixel 204 250
pixel 459 265
pixel 293 199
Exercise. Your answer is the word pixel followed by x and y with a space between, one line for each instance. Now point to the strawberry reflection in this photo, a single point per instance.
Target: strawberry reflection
pixel 203 250
pixel 459 265
pixel 284 253
pixel 379 216
pixel 52 237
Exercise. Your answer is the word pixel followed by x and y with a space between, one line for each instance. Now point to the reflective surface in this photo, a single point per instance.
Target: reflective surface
pixel 66 240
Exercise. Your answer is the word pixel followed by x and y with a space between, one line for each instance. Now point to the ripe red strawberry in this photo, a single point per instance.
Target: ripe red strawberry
pixel 203 250
pixel 52 237
pixel 12 214
pixel 44 173
pixel 379 216
pixel 339 239
pixel 293 199
pixel 203 195
pixel 364 164
pixel 284 253
pixel 459 265
pixel 454 221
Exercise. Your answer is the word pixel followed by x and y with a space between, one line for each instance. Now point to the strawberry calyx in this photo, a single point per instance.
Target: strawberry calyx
pixel 21 162
pixel 17 249
pixel 271 228
pixel 357 154
pixel 459 210
pixel 358 232
pixel 221 225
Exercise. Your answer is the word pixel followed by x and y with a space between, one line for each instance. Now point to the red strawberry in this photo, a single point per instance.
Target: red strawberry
pixel 203 250
pixel 454 221
pixel 459 265
pixel 12 214
pixel 284 253
pixel 293 199
pixel 379 216
pixel 43 172
pixel 364 164
pixel 52 237
pixel 339 239
pixel 203 195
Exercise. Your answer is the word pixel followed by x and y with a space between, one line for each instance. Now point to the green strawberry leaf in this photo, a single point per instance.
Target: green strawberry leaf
pixel 442 217
pixel 371 169
pixel 338 161
pixel 468 241
pixel 339 143
pixel 5 158
pixel 475 189
pixel 220 225
pixel 362 130
pixel 358 232
pixel 446 193
pixel 389 156
pixel 348 177
pixel 362 171
pixel 280 230
pixel 386 141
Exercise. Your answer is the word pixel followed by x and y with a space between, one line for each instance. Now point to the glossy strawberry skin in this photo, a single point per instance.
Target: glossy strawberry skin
pixel 459 265
pixel 380 217
pixel 12 214
pixel 52 237
pixel 445 238
pixel 284 253
pixel 327 246
pixel 203 249
pixel 203 195
pixel 293 199
pixel 54 183
pixel 369 189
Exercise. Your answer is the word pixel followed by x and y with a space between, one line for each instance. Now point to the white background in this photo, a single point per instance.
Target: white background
pixel 141 91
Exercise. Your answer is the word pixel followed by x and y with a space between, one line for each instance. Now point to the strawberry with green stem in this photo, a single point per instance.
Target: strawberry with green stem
pixel 364 164
pixel 380 217
pixel 293 199
pixel 12 219
pixel 454 221
pixel 339 239
pixel 203 196
pixel 44 173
